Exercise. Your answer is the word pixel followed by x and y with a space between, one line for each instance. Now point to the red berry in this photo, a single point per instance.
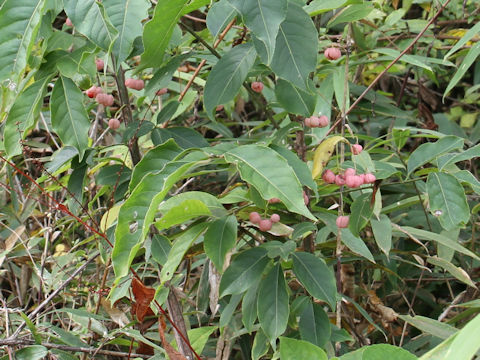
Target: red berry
pixel 349 172
pixel 162 91
pixel 359 180
pixel 257 86
pixel 342 221
pixel 332 53
pixel 68 22
pixel 339 180
pixel 219 108
pixel 328 176
pixel 357 149
pixel 93 91
pixel 306 200
pixel 370 178
pixel 113 123
pixel 100 64
pixel 314 122
pixel 265 225
pixel 275 218
pixel 104 99
pixel 323 121
pixel 362 177
pixel 254 217
pixel 308 122
pixel 274 201
pixel 129 83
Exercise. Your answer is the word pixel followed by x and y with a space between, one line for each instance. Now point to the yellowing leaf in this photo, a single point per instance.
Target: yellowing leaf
pixel 324 153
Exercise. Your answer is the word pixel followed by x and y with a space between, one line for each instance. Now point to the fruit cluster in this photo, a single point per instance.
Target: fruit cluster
pixel 317 121
pixel 348 178
pixel 263 224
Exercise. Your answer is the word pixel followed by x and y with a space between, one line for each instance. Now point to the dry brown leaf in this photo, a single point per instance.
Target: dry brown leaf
pixel 143 297
pixel 171 352
pixel 117 315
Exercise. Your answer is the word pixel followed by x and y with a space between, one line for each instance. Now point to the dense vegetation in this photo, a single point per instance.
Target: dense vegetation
pixel 239 179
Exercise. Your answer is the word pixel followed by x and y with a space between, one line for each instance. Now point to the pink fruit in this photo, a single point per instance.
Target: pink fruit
pixel 357 149
pixel 350 172
pixel 219 108
pixel 359 180
pixel 257 86
pixel 162 91
pixel 135 84
pixel 342 221
pixel 255 217
pixel 68 22
pixel 328 176
pixel 370 178
pixel 275 218
pixel 93 91
pixel 139 84
pixel 351 181
pixel 306 200
pixel 100 64
pixel 113 123
pixel 339 180
pixel 314 122
pixel 265 225
pixel 308 122
pixel 332 53
pixel 274 201
pixel 323 121
pixel 104 99
pixel 129 83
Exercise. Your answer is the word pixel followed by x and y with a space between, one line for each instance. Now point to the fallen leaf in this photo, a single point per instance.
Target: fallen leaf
pixel 171 352
pixel 143 297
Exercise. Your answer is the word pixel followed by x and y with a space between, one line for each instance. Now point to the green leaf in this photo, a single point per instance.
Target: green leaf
pixel 356 244
pixel 89 19
pixel 415 60
pixel 296 46
pixel 292 349
pixel 430 326
pixel 465 345
pixel 361 213
pixel 158 31
pixel 249 307
pixel 219 239
pixel 466 176
pixel 351 13
pixel 160 248
pixel 245 269
pixel 427 235
pixel 317 7
pixel 341 88
pixel 186 138
pixel 23 115
pixel 447 200
pixel 314 325
pixel 33 352
pixel 315 276
pixel 295 100
pixel 227 76
pixel 272 303
pixel 126 16
pixel 471 56
pixel 386 351
pixel 213 204
pixel 270 174
pixel 137 213
pixel 263 18
pixel 427 152
pixel 69 117
pixel 155 159
pixel 19 24
pixel 184 211
pixel 219 15
pixel 382 231
pixel 178 250
pixel 457 272
pixel 469 154
pixel 198 337
pixel 299 166
pixel 474 30
pixel 260 345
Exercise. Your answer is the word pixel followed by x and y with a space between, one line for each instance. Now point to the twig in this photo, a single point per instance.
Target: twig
pixel 203 62
pixel 53 294
pixel 393 62
pixel 15 342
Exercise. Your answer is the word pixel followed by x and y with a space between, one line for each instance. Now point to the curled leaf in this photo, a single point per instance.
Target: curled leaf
pixel 324 153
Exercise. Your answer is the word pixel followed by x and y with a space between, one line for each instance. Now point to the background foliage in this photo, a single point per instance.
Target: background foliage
pixel 137 239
